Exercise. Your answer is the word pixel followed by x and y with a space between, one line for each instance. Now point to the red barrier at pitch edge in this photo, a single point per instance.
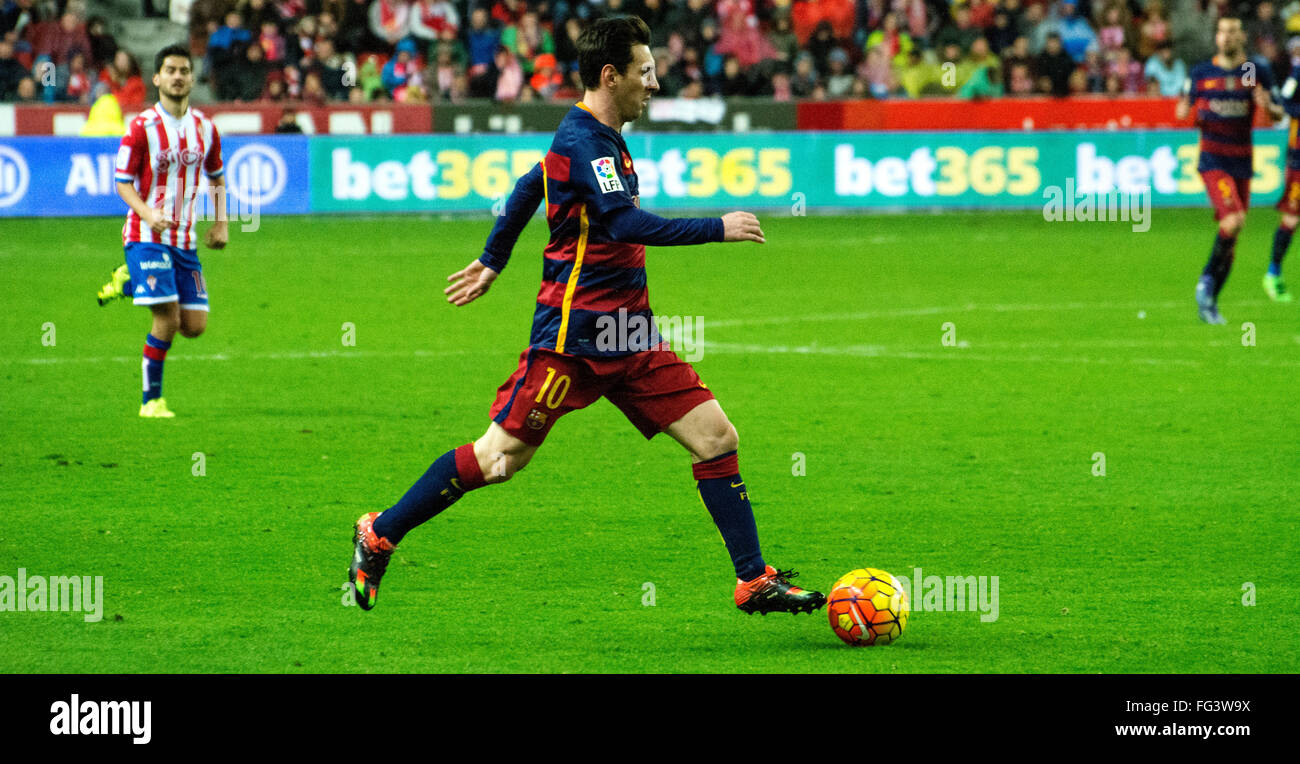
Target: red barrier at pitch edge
pixel 236 118
pixel 1000 114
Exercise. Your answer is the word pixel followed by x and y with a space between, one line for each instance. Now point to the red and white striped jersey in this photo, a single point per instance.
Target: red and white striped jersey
pixel 163 155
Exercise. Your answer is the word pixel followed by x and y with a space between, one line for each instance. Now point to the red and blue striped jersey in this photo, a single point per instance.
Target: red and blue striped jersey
pixel 593 266
pixel 1223 103
pixel 1290 100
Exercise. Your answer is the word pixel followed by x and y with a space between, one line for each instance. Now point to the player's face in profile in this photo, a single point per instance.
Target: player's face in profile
pixel 175 79
pixel 1229 37
pixel 637 84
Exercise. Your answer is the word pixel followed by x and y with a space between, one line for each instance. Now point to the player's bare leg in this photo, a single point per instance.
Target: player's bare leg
pixel 711 440
pixel 193 323
pixel 1274 286
pixel 500 455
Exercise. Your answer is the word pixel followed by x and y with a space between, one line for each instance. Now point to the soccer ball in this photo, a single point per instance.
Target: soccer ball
pixel 868 607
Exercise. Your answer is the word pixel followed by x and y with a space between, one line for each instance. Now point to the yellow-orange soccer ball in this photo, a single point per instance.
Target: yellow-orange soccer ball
pixel 868 607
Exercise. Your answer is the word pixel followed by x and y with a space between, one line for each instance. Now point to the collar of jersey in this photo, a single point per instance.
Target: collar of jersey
pixel 167 115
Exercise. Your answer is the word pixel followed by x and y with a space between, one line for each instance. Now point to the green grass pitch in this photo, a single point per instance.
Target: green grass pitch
pixel 969 459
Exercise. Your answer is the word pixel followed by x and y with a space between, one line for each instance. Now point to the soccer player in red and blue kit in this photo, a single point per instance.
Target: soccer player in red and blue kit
pixel 158 165
pixel 593 270
pixel 1289 204
pixel 1223 94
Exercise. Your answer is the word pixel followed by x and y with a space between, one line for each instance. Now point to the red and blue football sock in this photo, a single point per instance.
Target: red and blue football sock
pixel 155 352
pixel 454 474
pixel 723 492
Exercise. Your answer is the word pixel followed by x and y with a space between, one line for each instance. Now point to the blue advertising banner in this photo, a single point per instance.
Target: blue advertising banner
pixel 44 177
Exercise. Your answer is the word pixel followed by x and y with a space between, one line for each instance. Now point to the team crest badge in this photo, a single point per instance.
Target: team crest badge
pixel 536 419
pixel 151 281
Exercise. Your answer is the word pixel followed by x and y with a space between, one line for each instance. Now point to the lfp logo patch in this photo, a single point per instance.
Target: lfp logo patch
pixel 606 175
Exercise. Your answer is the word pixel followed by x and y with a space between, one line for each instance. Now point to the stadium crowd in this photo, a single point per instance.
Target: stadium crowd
pixel 320 51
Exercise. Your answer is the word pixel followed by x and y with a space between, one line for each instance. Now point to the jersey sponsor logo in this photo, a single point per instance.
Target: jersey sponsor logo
pixel 191 157
pixel 157 265
pixel 1229 107
pixel 163 160
pixel 606 175
pixel 14 177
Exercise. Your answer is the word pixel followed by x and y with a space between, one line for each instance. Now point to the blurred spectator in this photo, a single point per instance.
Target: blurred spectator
pixel 1265 25
pixel 1076 33
pixel 58 38
pixel 226 46
pixel 896 43
pixel 669 84
pixel 688 18
pixel 688 71
pixel 783 40
pixel 483 40
pixel 105 117
pixel 982 13
pixel 102 44
pixel 274 90
pixel 370 82
pixel 429 18
pixel 248 77
pixel 442 73
pixel 781 91
pixel 820 46
pixel 1019 79
pixel 1077 84
pixel 272 42
pixel 288 123
pixel 566 44
pixel 1055 67
pixel 27 92
pixel 805 76
pixel 299 45
pixel 1004 31
pixel 123 78
pixel 839 80
pixel 959 30
pixel 333 68
pixel 919 76
pixel 1128 72
pixel 546 79
pixel 877 76
pixel 1038 28
pixel 922 23
pixel 510 77
pixel 740 37
pixel 1154 30
pixel 507 12
pixel 390 20
pixel 1166 71
pixel 313 89
pixel 255 13
pixel 11 72
pixel 1114 33
pixel 15 16
pixel 1018 53
pixel 656 14
pixel 1094 67
pixel 733 81
pixel 1191 29
pixel 527 39
pixel 74 79
pixel 402 70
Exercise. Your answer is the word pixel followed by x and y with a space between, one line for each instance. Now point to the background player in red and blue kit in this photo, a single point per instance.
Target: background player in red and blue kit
pixel 1289 204
pixel 1223 93
pixel 159 161
pixel 593 276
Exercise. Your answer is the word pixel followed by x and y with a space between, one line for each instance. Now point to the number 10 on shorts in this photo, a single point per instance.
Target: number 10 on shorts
pixel 558 392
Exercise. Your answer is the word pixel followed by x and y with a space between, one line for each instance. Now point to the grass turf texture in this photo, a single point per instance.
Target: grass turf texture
pixel 826 341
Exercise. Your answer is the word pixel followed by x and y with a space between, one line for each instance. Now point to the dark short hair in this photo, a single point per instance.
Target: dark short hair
pixel 171 50
pixel 609 41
